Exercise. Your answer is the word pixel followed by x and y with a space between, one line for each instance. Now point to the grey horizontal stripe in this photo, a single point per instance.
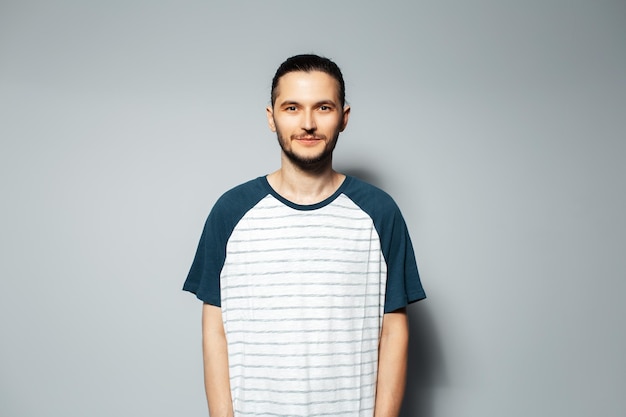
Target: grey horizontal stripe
pixel 327 260
pixel 307 343
pixel 298 227
pixel 308 249
pixel 312 379
pixel 350 217
pixel 320 391
pixel 324 284
pixel 303 319
pixel 325 308
pixel 287 367
pixel 337 341
pixel 333 413
pixel 299 379
pixel 297 272
pixel 287 238
pixel 283 296
pixel 309 403
pixel 299 355
pixel 302 331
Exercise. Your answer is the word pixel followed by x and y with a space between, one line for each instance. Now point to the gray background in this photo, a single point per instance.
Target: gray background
pixel 498 126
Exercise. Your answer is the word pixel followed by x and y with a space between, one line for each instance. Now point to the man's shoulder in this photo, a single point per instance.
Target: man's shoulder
pixel 368 196
pixel 241 197
pixel 252 186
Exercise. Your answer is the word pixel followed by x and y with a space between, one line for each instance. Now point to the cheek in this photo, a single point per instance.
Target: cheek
pixel 334 124
pixel 284 125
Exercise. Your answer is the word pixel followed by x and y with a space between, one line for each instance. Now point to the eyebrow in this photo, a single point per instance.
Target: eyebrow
pixel 319 103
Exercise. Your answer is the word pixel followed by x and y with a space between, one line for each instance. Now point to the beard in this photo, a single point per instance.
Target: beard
pixel 309 163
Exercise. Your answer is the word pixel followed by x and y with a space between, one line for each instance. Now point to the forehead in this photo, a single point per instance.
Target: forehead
pixel 306 86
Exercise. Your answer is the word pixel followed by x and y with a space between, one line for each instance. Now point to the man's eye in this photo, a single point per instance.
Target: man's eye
pixel 291 108
pixel 324 108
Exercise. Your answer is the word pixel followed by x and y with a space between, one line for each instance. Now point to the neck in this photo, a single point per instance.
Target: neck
pixel 303 186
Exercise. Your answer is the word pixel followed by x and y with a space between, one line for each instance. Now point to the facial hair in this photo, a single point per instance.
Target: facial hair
pixel 308 163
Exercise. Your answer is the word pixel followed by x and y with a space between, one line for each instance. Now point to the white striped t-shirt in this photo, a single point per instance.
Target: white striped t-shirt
pixel 303 290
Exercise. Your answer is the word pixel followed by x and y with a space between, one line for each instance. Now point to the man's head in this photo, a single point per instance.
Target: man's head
pixel 308 110
pixel 308 63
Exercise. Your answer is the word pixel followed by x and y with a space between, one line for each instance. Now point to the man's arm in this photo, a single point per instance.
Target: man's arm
pixel 392 360
pixel 215 354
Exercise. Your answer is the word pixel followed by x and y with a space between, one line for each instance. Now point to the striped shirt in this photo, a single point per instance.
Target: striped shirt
pixel 303 290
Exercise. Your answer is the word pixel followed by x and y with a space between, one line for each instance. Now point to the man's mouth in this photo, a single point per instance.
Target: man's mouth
pixel 308 138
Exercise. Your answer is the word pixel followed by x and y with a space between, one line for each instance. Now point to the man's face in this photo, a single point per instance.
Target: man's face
pixel 307 117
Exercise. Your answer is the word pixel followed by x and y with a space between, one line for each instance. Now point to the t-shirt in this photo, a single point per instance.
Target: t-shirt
pixel 303 290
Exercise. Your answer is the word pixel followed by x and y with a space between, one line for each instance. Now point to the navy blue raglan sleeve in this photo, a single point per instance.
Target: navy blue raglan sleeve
pixel 403 281
pixel 204 275
pixel 403 284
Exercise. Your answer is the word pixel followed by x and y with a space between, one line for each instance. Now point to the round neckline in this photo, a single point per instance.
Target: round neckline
pixel 313 206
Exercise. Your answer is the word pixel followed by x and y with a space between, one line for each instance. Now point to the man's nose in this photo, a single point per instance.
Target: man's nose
pixel 308 122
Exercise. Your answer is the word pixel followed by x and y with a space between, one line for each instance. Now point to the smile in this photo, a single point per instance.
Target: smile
pixel 308 138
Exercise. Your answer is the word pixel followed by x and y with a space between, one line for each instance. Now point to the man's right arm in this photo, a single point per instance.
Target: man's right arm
pixel 215 354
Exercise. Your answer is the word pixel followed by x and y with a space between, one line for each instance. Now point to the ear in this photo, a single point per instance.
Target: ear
pixel 269 112
pixel 346 116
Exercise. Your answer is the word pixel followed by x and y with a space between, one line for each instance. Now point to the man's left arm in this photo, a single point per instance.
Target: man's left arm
pixel 392 362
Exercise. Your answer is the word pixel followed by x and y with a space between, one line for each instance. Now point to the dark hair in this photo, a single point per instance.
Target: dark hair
pixel 308 63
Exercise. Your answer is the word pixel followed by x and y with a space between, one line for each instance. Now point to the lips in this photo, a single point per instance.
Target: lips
pixel 308 138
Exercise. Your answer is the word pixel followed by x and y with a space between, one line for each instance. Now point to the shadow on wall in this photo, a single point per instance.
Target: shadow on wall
pixel 360 173
pixel 425 368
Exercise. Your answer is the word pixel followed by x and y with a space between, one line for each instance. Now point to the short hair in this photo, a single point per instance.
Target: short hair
pixel 308 63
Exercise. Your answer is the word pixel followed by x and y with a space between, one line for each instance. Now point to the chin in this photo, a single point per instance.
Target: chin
pixel 311 161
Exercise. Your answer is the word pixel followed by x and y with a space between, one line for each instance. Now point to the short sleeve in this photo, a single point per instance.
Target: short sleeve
pixel 403 281
pixel 204 276
pixel 403 285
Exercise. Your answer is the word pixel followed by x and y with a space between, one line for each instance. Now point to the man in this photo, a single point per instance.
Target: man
pixel 305 273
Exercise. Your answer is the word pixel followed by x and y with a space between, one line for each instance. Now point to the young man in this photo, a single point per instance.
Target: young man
pixel 305 273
